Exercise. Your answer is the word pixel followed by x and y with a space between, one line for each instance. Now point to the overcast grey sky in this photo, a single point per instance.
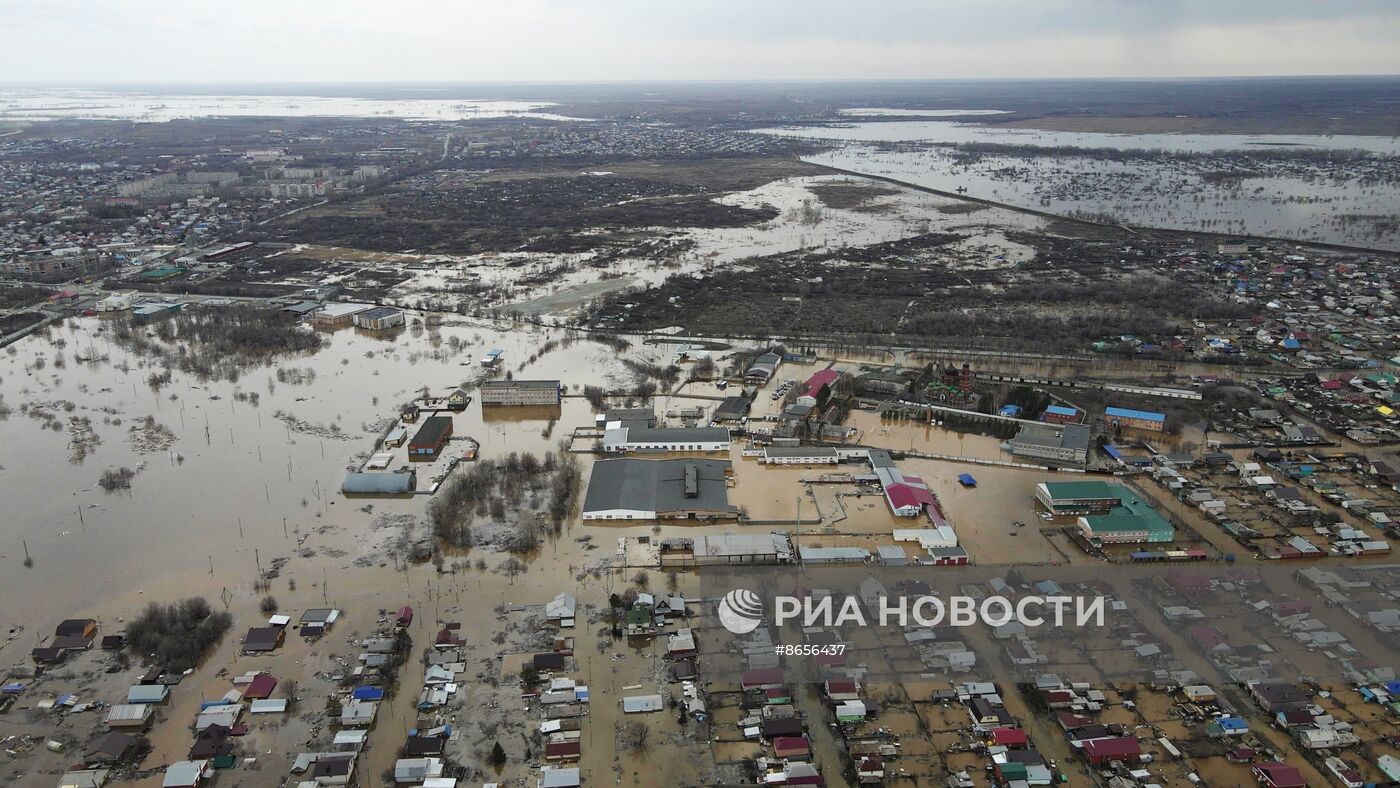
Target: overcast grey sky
pixel 554 40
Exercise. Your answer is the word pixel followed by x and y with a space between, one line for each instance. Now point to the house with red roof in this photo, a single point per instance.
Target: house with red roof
pixel 797 747
pixel 563 751
pixel 261 687
pixel 1277 775
pixel 1187 584
pixel 1208 638
pixel 1013 738
pixel 766 678
pixel 842 689
pixel 870 769
pixel 1124 748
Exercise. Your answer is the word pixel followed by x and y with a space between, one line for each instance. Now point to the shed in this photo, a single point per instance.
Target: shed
pixel 260 640
pixel 559 778
pixel 185 774
pixel 148 694
pixel 637 704
pixel 390 483
pixel 128 715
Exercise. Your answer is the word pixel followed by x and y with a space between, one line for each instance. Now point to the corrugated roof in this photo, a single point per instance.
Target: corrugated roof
pixel 1129 413
pixel 1078 491
pixel 381 483
pixel 657 485
pixel 508 385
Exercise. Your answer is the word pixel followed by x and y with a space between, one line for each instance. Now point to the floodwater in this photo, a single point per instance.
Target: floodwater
pixel 37 104
pixel 876 112
pixel 953 132
pixel 1351 203
pixel 235 469
pixel 561 283
pixel 206 512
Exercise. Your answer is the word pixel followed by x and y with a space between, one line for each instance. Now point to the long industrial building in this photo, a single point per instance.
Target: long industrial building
pixel 664 439
pixel 520 392
pixel 636 489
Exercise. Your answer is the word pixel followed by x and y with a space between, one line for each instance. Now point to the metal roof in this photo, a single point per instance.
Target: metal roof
pixel 1080 491
pixel 519 384
pixel 432 431
pixel 800 451
pixel 642 703
pixel 676 434
pixel 1128 413
pixel 657 485
pixel 381 483
pixel 378 312
pixel 1069 436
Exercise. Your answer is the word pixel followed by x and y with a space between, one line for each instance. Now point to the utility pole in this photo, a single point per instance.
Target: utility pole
pixel 796 537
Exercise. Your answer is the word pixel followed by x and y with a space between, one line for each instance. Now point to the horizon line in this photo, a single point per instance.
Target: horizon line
pixel 691 81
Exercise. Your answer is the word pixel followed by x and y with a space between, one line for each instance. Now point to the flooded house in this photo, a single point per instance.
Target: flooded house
pixel 187 774
pixel 148 694
pixel 112 747
pixel 133 716
pixel 261 640
pixel 458 400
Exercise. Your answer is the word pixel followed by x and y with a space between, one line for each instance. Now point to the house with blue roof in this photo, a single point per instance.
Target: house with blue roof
pixel 1227 726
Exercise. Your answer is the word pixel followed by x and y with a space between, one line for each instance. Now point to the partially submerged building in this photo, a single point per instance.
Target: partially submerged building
pixel 399 483
pixel 1108 513
pixel 520 392
pixel 338 314
pixel 665 439
pixel 1066 444
pixel 763 368
pixel 380 318
pixel 428 443
pixel 636 489
pixel 1136 419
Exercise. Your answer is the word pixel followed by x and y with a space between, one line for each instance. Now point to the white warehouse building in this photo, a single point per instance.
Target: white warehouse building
pixel 625 439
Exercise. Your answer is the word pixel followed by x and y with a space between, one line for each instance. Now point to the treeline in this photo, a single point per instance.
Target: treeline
pixel 177 635
pixel 520 484
pixel 217 344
